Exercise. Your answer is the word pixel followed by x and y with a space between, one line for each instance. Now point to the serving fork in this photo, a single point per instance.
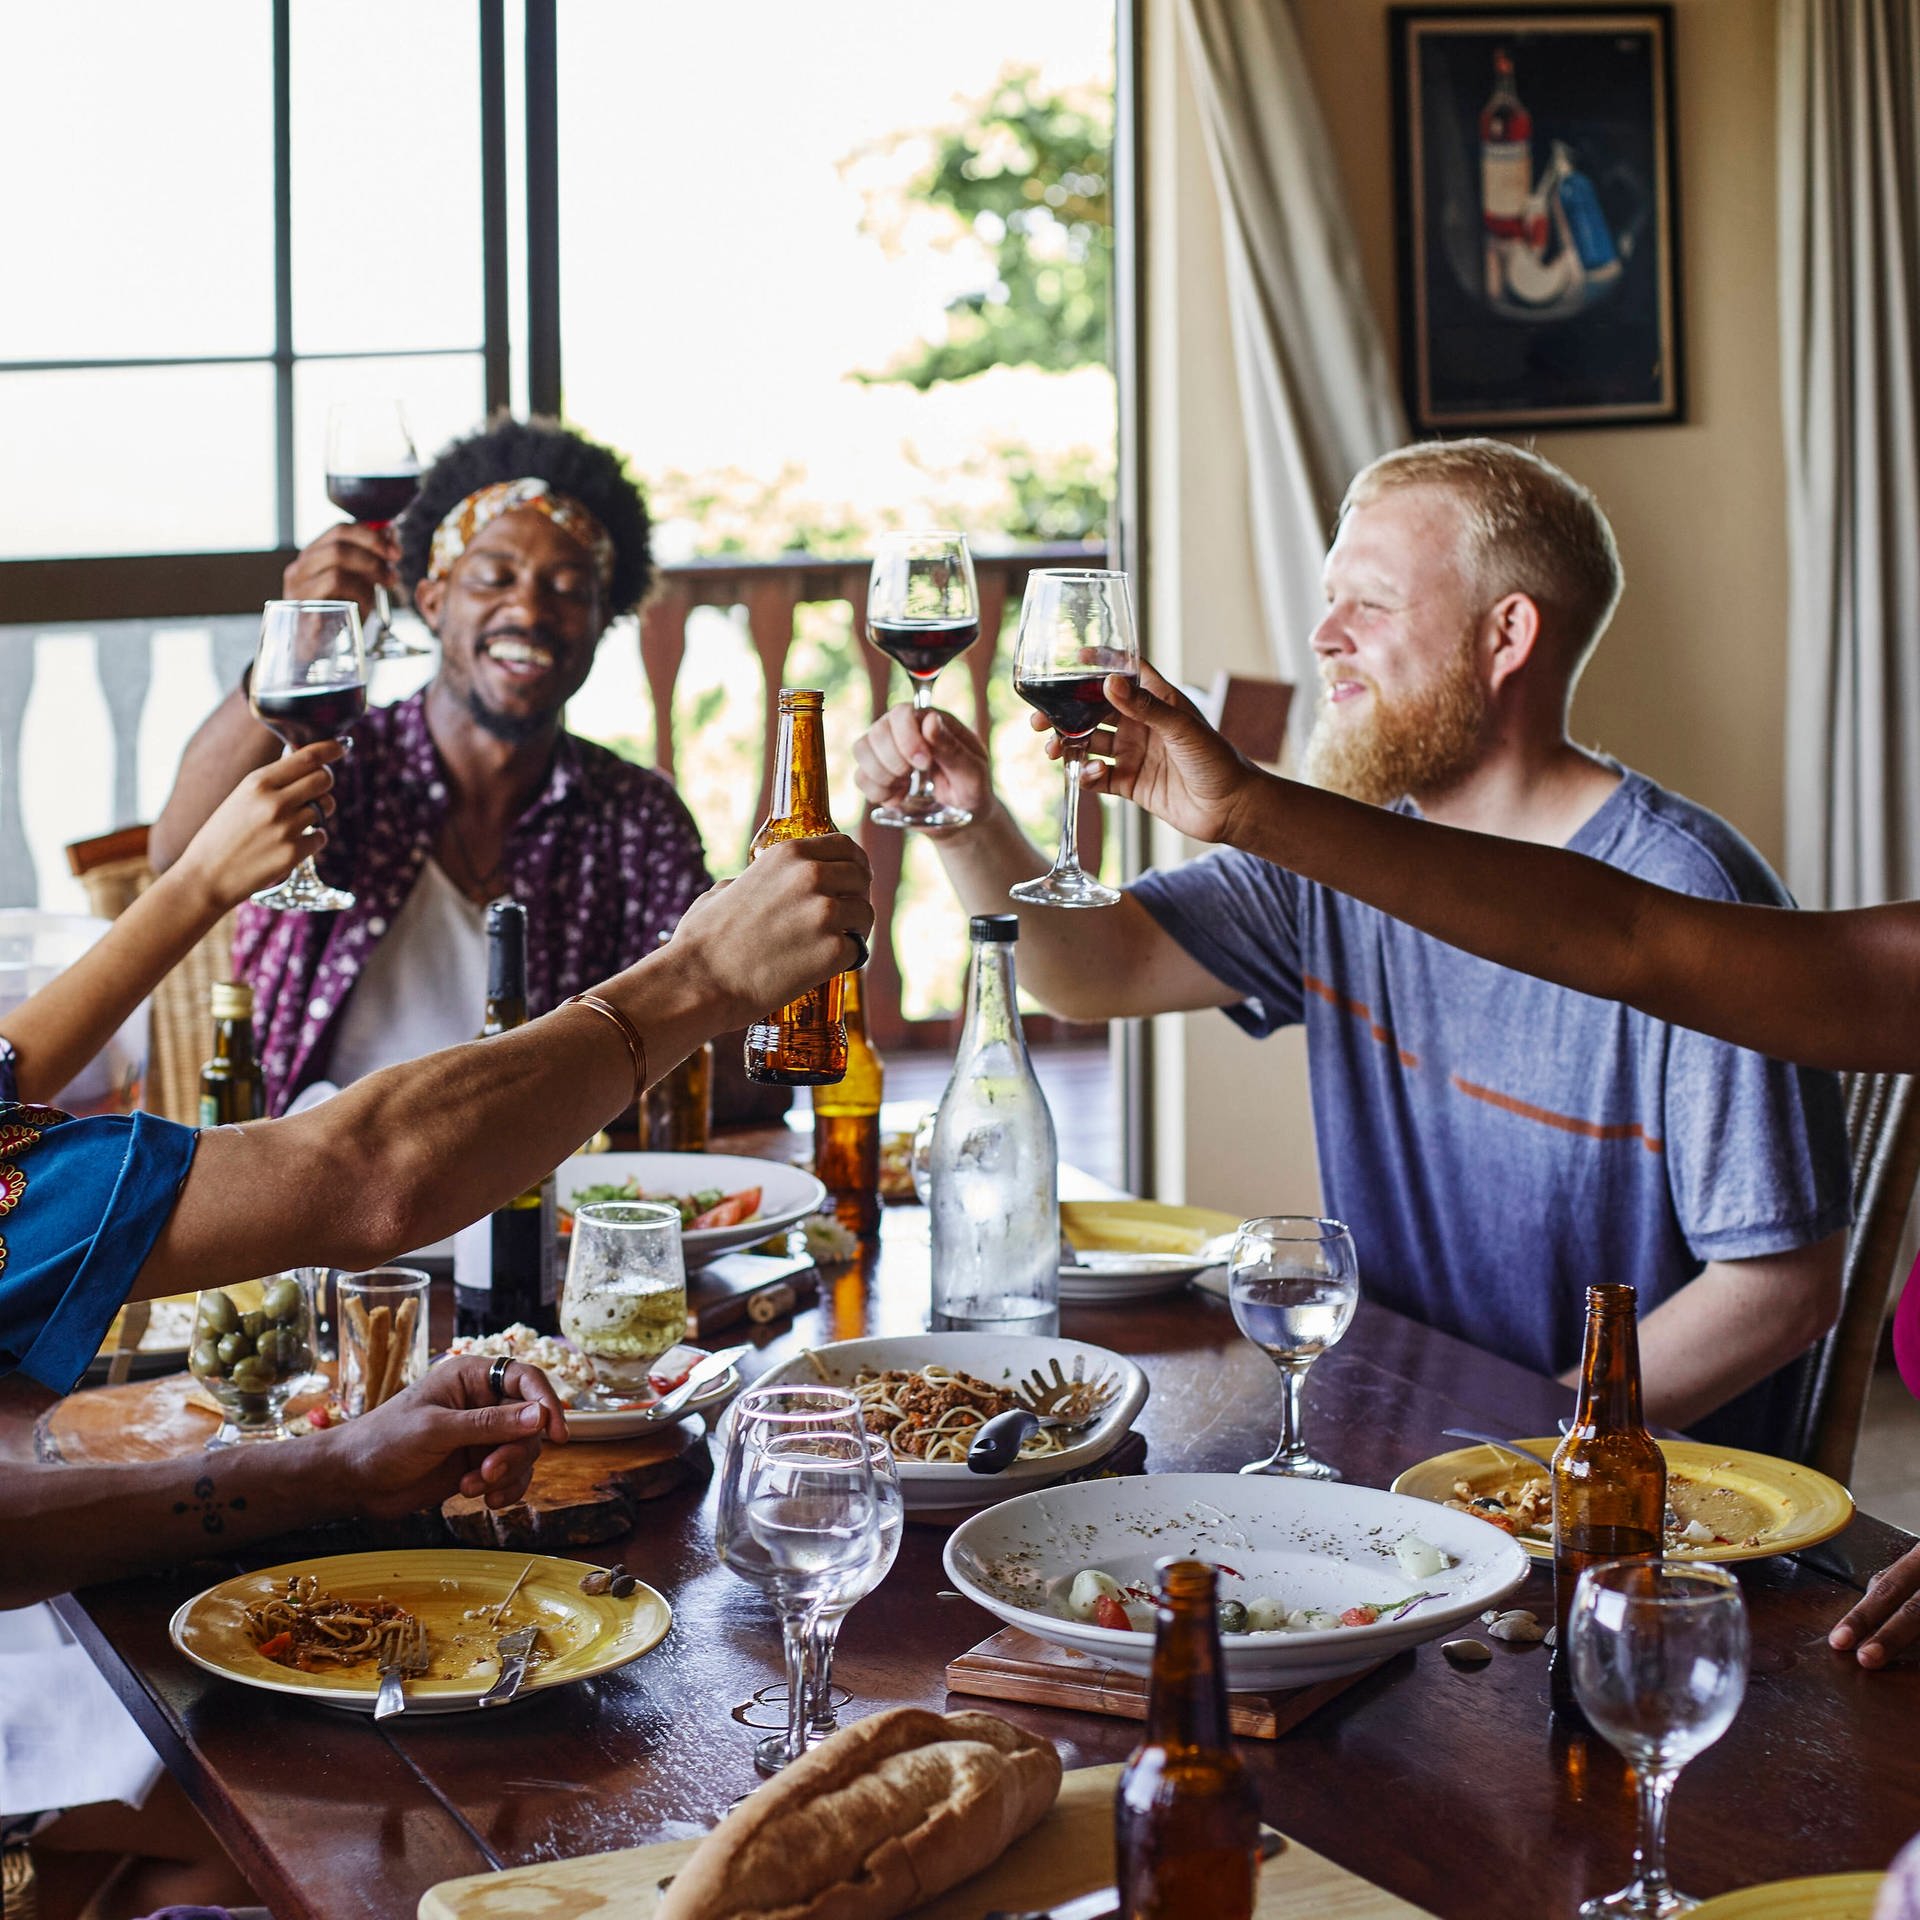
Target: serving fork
pixel 1065 1401
pixel 403 1651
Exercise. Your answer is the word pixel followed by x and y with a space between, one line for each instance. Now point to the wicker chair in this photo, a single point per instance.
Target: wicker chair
pixel 114 870
pixel 1883 1124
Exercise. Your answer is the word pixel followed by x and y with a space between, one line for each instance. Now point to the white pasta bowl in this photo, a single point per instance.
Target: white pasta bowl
pixel 1306 1544
pixel 1000 1359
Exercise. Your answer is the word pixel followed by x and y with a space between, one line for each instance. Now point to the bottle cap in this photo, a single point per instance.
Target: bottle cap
pixel 231 1000
pixel 995 926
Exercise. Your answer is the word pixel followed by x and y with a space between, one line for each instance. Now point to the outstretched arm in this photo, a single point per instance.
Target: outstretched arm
pixel 1823 989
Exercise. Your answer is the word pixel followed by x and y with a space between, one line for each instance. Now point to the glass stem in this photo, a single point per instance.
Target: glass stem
pixel 919 781
pixel 796 1627
pixel 1292 1416
pixel 382 608
pixel 1650 1882
pixel 826 1635
pixel 1069 860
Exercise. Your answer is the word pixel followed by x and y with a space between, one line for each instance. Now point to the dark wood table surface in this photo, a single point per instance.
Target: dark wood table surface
pixel 1449 1788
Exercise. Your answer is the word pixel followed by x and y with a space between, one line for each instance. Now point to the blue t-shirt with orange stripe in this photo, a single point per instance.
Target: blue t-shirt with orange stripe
pixel 1496 1144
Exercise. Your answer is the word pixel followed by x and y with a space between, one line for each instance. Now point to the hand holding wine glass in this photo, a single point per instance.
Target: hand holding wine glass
pixel 923 610
pixel 309 682
pixel 373 474
pixel 1076 628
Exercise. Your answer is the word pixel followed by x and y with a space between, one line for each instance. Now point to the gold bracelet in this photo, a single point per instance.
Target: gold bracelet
pixel 636 1047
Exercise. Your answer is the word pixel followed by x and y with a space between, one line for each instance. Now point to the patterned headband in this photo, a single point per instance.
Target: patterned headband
pixel 462 526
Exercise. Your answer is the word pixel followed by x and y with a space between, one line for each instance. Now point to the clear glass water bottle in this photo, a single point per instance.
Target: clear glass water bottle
pixel 994 1165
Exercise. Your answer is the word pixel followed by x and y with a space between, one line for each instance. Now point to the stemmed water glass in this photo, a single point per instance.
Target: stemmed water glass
pixel 1293 1283
pixel 799 1519
pixel 309 682
pixel 1659 1650
pixel 923 610
pixel 624 1303
pixel 373 474
pixel 890 1513
pixel 1076 627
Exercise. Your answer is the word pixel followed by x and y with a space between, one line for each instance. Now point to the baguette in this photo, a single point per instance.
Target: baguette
pixel 885 1815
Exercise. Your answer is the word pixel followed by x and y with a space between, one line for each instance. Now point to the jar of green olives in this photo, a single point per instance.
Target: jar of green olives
pixel 250 1344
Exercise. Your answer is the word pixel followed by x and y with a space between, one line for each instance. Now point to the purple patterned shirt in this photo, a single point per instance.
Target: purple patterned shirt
pixel 605 858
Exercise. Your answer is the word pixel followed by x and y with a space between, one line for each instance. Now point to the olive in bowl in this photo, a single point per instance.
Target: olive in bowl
pixel 250 1344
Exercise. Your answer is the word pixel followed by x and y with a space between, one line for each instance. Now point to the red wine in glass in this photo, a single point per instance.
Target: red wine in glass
pixel 373 499
pixel 923 647
pixel 302 715
pixel 1075 703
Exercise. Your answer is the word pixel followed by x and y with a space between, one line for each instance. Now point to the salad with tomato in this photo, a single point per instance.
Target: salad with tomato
pixel 709 1207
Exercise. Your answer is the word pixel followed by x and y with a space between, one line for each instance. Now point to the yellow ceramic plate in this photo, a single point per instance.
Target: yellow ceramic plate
pixel 1826 1896
pixel 584 1634
pixel 1778 1506
pixel 1141 1226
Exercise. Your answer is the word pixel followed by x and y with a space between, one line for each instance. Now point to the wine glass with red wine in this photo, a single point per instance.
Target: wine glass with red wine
pixel 373 474
pixel 309 683
pixel 1076 627
pixel 923 610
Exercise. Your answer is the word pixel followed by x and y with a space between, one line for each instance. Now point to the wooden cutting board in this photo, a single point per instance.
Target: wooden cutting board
pixel 1069 1852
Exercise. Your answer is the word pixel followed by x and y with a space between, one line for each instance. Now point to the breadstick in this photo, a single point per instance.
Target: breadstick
pixel 378 1323
pixel 405 1317
pixel 357 1318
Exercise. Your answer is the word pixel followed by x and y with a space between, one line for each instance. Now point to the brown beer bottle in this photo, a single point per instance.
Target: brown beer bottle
pixel 846 1123
pixel 676 1112
pixel 1609 1478
pixel 805 1043
pixel 1186 1816
pixel 230 1085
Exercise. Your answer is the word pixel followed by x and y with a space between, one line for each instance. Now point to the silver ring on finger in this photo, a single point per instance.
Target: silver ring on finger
pixel 497 1377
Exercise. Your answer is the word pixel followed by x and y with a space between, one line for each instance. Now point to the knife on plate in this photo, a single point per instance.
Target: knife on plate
pixel 1104 1902
pixel 711 1368
pixel 514 1650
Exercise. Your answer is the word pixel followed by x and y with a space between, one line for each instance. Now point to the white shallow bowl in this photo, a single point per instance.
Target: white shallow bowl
pixel 999 1359
pixel 787 1193
pixel 1305 1543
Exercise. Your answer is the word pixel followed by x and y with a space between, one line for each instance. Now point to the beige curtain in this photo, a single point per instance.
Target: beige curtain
pixel 1316 391
pixel 1850 361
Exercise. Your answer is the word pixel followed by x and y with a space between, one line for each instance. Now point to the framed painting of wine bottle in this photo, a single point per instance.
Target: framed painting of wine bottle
pixel 1539 262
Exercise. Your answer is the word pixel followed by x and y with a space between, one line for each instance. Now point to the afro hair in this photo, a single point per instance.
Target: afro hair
pixel 509 449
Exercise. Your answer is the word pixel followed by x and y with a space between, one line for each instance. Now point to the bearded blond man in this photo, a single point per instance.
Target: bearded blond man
pixel 1497 1145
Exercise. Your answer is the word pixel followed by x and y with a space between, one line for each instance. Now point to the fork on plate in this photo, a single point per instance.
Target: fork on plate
pixel 1066 1399
pixel 403 1652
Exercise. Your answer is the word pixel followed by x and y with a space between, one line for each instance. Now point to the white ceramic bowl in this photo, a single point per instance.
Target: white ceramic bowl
pixel 999 1359
pixel 1304 1543
pixel 787 1193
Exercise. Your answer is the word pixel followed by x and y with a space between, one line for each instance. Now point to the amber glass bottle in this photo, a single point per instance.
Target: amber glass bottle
pixel 1186 1817
pixel 805 1043
pixel 1609 1479
pixel 230 1084
pixel 846 1123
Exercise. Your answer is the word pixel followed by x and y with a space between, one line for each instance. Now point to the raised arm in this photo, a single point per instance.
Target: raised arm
pixel 1835 990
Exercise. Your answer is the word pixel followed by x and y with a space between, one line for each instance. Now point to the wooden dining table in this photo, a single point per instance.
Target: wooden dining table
pixel 1449 1787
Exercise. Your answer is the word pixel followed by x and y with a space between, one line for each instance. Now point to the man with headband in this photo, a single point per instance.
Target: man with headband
pixel 524 543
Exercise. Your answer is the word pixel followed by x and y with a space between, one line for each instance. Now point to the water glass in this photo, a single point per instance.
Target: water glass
pixel 1293 1283
pixel 890 1510
pixel 624 1303
pixel 383 1334
pixel 251 1345
pixel 799 1519
pixel 1659 1654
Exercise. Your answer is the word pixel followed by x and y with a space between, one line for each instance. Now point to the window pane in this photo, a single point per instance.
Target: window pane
pixel 138 148
pixel 386 175
pixel 444 397
pixel 136 460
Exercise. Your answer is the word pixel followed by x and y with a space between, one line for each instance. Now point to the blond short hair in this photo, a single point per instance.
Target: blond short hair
pixel 1530 528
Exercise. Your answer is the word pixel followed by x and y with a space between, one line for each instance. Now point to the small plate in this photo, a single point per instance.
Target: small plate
pixel 1823 1896
pixel 589 1634
pixel 621 1423
pixel 1791 1506
pixel 1138 1249
pixel 787 1193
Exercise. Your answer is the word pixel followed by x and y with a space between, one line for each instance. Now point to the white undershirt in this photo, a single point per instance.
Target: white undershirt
pixel 423 988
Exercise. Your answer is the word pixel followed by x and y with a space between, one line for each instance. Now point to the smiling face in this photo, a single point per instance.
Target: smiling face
pixel 518 619
pixel 1406 702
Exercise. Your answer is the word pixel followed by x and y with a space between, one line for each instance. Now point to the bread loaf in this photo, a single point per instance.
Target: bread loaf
pixel 885 1815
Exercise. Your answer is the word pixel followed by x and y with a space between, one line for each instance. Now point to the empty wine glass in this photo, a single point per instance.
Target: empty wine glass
pixel 923 609
pixel 1659 1653
pixel 798 1518
pixel 373 474
pixel 1076 627
pixel 624 1303
pixel 1293 1283
pixel 309 682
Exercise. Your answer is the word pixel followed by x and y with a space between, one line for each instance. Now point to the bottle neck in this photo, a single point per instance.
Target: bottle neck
pixel 233 1042
pixel 1610 1367
pixel 800 771
pixel 1187 1702
pixel 993 1005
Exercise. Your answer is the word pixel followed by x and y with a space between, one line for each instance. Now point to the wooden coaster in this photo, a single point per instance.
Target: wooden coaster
pixel 582 1493
pixel 1015 1665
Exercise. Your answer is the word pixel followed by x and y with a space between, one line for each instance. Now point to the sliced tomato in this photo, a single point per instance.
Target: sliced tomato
pixel 666 1382
pixel 273 1649
pixel 1108 1612
pixel 1360 1616
pixel 729 1212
